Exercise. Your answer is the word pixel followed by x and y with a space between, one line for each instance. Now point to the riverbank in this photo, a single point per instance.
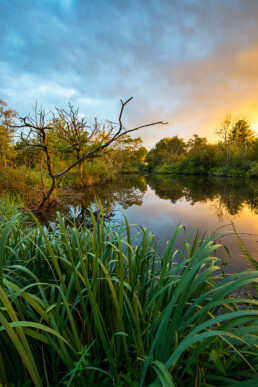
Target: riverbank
pixel 26 183
pixel 88 302
pixel 227 171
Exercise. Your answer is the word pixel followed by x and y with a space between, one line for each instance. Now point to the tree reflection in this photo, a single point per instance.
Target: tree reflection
pixel 228 195
pixel 123 192
pixel 224 195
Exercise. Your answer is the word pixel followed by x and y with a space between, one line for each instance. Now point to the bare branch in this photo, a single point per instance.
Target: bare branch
pixel 117 135
pixel 71 129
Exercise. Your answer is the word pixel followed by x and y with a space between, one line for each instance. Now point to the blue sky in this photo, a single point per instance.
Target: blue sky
pixel 186 62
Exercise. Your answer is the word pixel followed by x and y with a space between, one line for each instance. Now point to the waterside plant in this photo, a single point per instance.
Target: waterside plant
pixel 100 305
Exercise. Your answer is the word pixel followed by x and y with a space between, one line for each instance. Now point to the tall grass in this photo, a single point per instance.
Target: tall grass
pixel 95 306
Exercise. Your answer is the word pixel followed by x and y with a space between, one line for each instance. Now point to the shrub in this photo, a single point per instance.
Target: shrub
pixel 228 171
pixel 166 168
pixel 253 172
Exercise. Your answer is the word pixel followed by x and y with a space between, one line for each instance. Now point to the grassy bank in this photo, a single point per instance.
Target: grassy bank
pixel 95 306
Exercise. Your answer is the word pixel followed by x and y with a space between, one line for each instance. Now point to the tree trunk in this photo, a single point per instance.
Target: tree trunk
pixel 45 201
pixel 46 197
pixel 42 176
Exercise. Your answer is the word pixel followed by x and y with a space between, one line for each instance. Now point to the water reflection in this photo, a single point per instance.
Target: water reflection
pixel 161 202
pixel 121 193
pixel 225 196
pixel 228 195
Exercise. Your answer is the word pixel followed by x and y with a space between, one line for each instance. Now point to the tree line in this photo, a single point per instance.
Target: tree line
pixel 47 150
pixel 235 154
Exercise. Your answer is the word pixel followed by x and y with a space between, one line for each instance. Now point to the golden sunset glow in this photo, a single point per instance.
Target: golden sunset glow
pixel 188 63
pixel 129 193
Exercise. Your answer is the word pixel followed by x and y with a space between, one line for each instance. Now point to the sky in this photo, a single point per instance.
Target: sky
pixel 188 62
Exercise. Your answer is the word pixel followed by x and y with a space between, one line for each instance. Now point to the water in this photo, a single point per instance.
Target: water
pixel 161 202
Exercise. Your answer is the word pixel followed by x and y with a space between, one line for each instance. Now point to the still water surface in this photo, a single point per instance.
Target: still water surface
pixel 161 202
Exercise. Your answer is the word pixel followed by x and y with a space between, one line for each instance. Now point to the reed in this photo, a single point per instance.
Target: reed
pixel 97 306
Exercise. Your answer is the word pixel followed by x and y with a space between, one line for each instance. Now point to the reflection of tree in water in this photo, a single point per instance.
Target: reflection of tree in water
pixel 229 196
pixel 123 192
pixel 226 204
pixel 253 204
pixel 176 187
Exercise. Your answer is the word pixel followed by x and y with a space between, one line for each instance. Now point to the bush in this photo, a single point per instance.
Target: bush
pixel 166 168
pixel 228 171
pixel 130 169
pixel 253 172
pixel 93 173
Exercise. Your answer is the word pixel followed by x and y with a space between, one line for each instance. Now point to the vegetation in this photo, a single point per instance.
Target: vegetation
pixel 43 155
pixel 228 196
pixel 92 305
pixel 54 146
pixel 6 133
pixel 234 155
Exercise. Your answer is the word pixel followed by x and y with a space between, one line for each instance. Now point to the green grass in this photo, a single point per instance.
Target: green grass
pixel 96 306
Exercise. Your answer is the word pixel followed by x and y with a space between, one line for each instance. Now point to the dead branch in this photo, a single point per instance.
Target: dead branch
pixel 37 137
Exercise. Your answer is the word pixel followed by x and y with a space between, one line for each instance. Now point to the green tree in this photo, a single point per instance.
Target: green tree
pixel 196 142
pixel 127 152
pixel 241 134
pixel 70 134
pixel 254 150
pixel 25 155
pixel 166 149
pixel 6 132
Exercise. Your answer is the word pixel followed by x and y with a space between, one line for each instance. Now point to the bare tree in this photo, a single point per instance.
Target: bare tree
pixel 36 135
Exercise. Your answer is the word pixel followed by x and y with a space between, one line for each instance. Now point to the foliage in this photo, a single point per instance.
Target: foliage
pixel 23 181
pixel 93 173
pixel 165 168
pixel 96 305
pixel 253 172
pixel 6 133
pixel 129 170
pixel 26 166
pixel 165 149
pixel 234 156
pixel 127 154
pixel 228 171
pixel 241 134
pixel 49 146
pixel 8 209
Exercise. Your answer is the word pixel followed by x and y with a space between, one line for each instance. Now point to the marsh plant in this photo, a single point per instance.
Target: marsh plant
pixel 97 306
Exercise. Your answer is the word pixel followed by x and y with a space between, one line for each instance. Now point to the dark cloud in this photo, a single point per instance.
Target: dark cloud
pixel 188 62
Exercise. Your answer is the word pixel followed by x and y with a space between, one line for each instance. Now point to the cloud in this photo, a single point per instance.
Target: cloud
pixel 187 62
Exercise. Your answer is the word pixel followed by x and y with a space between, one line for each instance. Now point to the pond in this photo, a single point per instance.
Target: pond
pixel 161 202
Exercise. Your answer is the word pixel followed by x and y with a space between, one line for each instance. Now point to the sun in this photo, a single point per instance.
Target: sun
pixel 255 127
